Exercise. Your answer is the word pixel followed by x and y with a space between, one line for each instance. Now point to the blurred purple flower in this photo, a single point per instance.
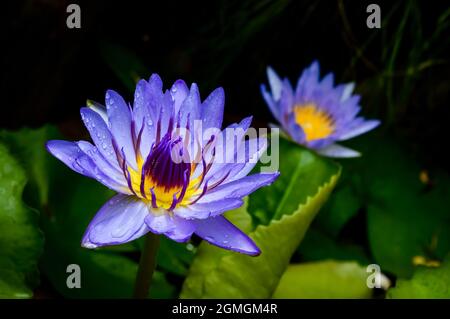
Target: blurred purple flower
pixel 317 114
pixel 133 154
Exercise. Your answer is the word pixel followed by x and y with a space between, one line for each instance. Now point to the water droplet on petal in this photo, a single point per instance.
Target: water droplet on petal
pixel 89 245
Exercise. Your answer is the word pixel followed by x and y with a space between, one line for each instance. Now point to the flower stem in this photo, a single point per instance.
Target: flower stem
pixel 147 265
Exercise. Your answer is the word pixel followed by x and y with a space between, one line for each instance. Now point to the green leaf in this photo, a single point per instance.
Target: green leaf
pixel 28 147
pixel 325 280
pixel 405 217
pixel 20 238
pixel 432 283
pixel 217 273
pixel 302 172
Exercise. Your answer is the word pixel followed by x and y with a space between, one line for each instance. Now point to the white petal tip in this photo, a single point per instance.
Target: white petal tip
pixel 338 151
pixel 88 245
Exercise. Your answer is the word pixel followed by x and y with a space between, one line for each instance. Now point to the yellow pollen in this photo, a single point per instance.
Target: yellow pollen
pixel 315 123
pixel 163 197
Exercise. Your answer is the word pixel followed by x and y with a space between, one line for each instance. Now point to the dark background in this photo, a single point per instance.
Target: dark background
pixel 401 70
pixel 48 70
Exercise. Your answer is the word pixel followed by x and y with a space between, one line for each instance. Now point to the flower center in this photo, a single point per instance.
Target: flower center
pixel 165 167
pixel 315 123
pixel 163 180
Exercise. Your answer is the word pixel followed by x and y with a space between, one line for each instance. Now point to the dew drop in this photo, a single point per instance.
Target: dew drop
pixel 89 245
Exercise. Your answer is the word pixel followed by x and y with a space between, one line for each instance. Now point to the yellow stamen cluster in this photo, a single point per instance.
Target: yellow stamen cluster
pixel 164 197
pixel 315 123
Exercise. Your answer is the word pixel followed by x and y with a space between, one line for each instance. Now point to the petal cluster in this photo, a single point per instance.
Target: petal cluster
pixel 317 113
pixel 168 182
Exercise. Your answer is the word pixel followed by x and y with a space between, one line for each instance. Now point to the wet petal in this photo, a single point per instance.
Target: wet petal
pixel 102 170
pixel 119 115
pixel 212 109
pixel 100 109
pixel 144 117
pixel 100 134
pixel 119 221
pixel 155 96
pixel 159 221
pixel 207 209
pixel 71 155
pixel 179 92
pixel 67 152
pixel 220 232
pixel 190 108
pixel 239 188
pixel 250 161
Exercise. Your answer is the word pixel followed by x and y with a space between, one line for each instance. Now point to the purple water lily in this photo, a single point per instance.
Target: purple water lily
pixel 317 114
pixel 135 154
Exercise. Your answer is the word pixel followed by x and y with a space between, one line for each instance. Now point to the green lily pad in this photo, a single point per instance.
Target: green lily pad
pixel 28 147
pixel 324 280
pixel 20 238
pixel 426 283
